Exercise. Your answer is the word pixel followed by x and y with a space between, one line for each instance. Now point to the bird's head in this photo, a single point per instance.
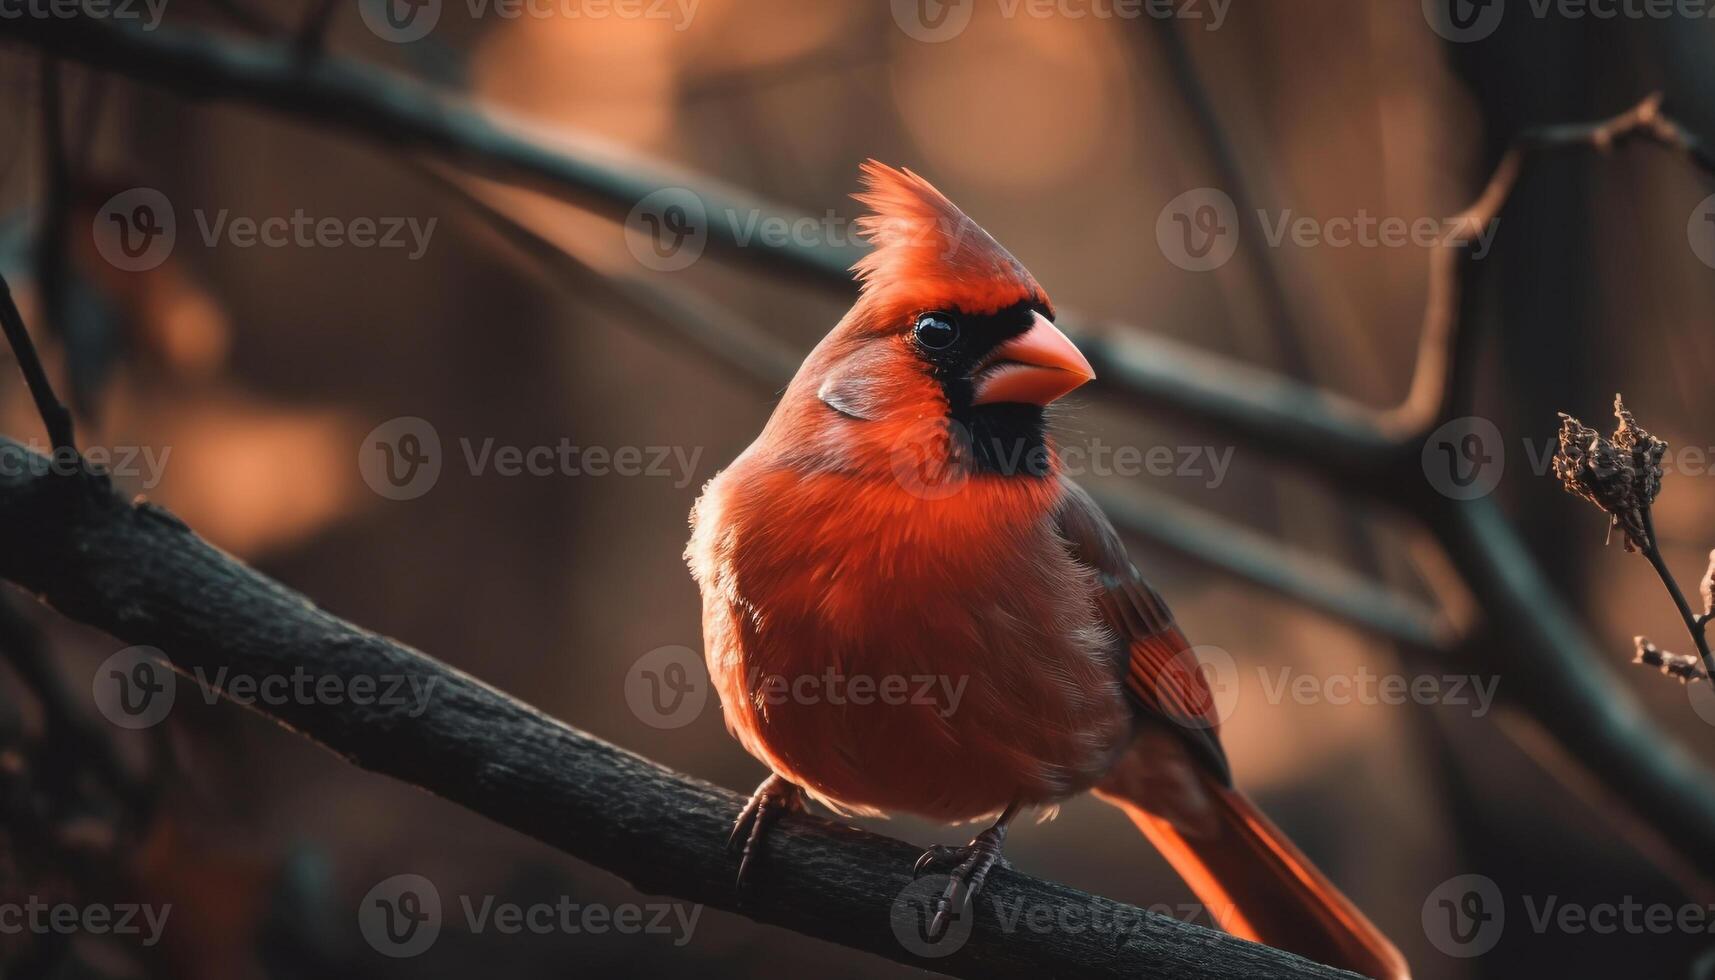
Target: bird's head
pixel 948 326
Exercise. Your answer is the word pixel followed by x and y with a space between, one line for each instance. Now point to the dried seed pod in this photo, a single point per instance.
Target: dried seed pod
pixel 1621 475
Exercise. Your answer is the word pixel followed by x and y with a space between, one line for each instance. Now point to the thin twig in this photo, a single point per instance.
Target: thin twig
pixel 52 257
pixel 54 414
pixel 1695 624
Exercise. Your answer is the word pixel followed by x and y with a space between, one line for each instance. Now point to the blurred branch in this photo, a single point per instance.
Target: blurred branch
pixel 681 315
pixel 312 35
pixel 1441 384
pixel 746 351
pixel 374 104
pixel 1169 36
pixel 141 575
pixel 1296 422
pixel 1551 666
pixel 75 742
pixel 1309 579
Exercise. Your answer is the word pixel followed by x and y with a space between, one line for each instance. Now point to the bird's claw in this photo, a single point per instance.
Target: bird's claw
pixel 967 869
pixel 774 797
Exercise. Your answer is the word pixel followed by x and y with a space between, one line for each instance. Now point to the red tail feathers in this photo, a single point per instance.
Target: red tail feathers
pixel 1253 881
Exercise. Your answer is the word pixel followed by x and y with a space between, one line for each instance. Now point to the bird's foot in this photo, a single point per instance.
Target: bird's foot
pixel 774 797
pixel 967 869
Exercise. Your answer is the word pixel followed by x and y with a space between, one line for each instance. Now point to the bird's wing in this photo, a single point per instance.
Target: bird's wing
pixel 1163 675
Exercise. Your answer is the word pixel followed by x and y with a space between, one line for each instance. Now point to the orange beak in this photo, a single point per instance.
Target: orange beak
pixel 1035 367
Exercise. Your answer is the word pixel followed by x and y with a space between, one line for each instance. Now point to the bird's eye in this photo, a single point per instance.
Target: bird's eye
pixel 936 331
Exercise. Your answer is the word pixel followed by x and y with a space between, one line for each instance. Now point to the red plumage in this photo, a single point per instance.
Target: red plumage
pixel 866 534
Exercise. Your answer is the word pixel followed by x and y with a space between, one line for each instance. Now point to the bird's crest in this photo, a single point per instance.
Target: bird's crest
pixel 927 251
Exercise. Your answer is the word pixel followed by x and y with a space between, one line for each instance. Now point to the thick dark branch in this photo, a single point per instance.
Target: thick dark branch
pixel 1361 450
pixel 141 575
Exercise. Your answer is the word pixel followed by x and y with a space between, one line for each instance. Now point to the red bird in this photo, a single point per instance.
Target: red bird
pixel 902 517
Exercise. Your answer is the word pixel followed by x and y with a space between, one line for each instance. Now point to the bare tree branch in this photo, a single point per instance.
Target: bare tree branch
pixel 141 575
pixel 1550 665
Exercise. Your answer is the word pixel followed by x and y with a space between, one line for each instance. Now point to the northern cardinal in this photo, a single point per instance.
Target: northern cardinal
pixel 901 518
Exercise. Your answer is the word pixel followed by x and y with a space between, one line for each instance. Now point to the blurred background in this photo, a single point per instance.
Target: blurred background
pixel 253 373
